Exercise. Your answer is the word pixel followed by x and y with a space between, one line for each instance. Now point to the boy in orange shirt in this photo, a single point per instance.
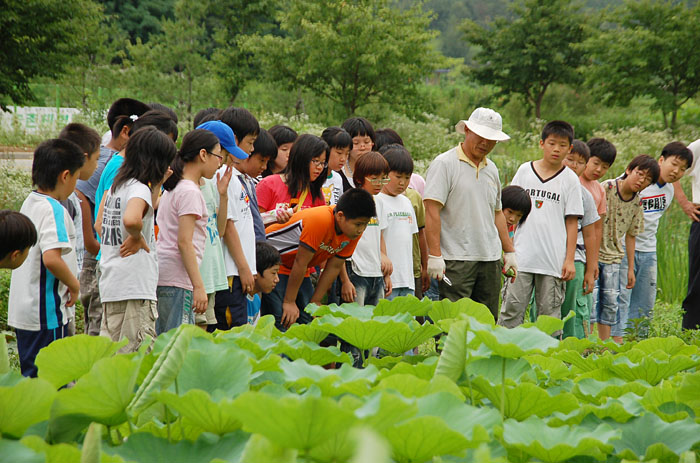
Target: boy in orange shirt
pixel 313 236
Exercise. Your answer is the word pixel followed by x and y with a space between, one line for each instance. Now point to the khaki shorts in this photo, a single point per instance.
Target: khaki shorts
pixel 209 317
pixel 134 319
pixel 549 296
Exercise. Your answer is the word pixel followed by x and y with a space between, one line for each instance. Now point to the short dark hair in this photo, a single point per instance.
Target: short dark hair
pixel 265 145
pixel 644 162
pixel 283 134
pixel 17 232
pixel 356 203
pixel 161 120
pixel 147 156
pixel 560 128
pixel 371 163
pixel 166 109
pixel 241 121
pixel 582 149
pixel 398 157
pixel 359 126
pixel 337 137
pixel 678 149
pixel 387 137
pixel 516 198
pixel 602 149
pixel 85 137
pixel 53 157
pixel 266 256
pixel 205 115
pixel 121 112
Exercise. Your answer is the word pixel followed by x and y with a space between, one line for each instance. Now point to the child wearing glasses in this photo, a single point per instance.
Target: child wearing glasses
pixel 364 281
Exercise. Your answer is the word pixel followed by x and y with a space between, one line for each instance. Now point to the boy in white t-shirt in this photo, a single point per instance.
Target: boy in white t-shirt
pixel 46 284
pixel 545 244
pixel 339 141
pixel 401 222
pixel 639 301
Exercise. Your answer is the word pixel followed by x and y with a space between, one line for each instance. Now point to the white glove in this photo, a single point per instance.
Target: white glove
pixel 509 262
pixel 436 267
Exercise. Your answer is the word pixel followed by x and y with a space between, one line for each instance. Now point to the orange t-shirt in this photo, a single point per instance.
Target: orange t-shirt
pixel 596 190
pixel 313 228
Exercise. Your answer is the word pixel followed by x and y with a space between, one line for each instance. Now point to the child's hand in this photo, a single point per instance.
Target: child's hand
pixel 247 281
pixel 568 272
pixel 387 266
pixel 290 313
pixel 283 214
pixel 131 246
pixel 596 273
pixel 199 300
pixel 631 279
pixel 73 292
pixel 348 292
pixel 387 285
pixel 588 282
pixel 222 181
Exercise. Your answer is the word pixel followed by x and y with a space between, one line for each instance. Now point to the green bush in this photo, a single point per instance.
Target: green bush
pixel 15 185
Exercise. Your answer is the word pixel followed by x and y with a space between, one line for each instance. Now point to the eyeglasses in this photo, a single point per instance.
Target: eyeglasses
pixel 378 181
pixel 221 158
pixel 318 163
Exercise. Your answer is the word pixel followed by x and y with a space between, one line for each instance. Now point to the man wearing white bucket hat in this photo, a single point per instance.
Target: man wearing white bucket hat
pixel 465 227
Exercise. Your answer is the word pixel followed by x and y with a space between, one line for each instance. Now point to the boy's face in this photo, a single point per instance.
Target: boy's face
pixel 374 183
pixel 255 164
pixel 361 144
pixel 595 168
pixel 246 144
pixel 14 259
pixel 316 166
pixel 398 182
pixel 338 158
pixel 575 162
pixel 555 148
pixel 352 228
pixel 90 165
pixel 282 155
pixel 672 169
pixel 637 180
pixel 512 216
pixel 268 280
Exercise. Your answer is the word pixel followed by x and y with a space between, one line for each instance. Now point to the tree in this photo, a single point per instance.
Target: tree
pixel 527 54
pixel 649 48
pixel 140 18
pixel 352 52
pixel 39 38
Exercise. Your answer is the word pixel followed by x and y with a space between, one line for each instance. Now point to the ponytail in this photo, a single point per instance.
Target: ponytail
pixel 192 144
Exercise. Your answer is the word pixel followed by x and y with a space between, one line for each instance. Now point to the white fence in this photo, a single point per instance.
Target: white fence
pixel 34 119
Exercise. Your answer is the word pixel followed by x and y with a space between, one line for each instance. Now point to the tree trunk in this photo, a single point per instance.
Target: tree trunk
pixel 665 119
pixel 674 118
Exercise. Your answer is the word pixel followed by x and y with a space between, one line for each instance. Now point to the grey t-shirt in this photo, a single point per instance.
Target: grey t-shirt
pixel 590 215
pixel 89 187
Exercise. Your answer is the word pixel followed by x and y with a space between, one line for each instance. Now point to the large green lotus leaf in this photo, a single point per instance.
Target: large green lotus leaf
pixel 421 438
pixel 423 370
pixel 184 430
pixel 67 359
pixel 513 342
pixel 144 447
pixel 363 334
pixel 300 375
pixel 670 345
pixel 591 390
pixel 266 327
pixel 585 364
pixel 311 352
pixel 650 369
pixel 260 449
pixel 23 404
pixel 269 363
pixel 649 437
pixel 549 368
pixel 4 356
pixel 165 369
pixel 662 401
pixel 370 447
pixel 67 453
pixel 446 309
pixel 382 410
pixel 525 399
pixel 472 422
pixel 202 411
pixel 221 371
pixel 385 362
pixel 620 409
pixel 548 324
pixel 102 395
pixel 404 304
pixel 563 443
pixel 410 386
pixel 352 309
pixel 16 452
pixel 409 335
pixel 249 340
pixel 305 332
pixel 454 353
pixel 300 422
pixel 338 447
pixel 688 392
pixel 492 369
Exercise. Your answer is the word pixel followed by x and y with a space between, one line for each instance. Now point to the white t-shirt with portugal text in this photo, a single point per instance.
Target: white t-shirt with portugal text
pixel 135 276
pixel 37 298
pixel 590 216
pixel 471 195
pixel 366 260
pixel 540 243
pixel 401 224
pixel 655 200
pixel 332 188
pixel 185 199
pixel 239 212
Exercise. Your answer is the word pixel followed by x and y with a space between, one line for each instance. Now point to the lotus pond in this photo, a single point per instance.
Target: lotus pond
pixel 256 395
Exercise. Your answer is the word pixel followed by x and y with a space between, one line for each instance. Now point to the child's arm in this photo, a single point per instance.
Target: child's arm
pixel 423 247
pixel 509 261
pixel 91 244
pixel 290 311
pixel 598 242
pixel 185 232
pixel 222 185
pixel 57 266
pixel 347 289
pixel 233 243
pixel 568 272
pixel 387 266
pixel 589 242
pixel 630 242
pixel 333 268
pixel 136 208
pixel 691 210
pixel 100 213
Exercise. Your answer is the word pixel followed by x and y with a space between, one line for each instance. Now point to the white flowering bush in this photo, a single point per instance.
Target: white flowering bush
pixel 15 185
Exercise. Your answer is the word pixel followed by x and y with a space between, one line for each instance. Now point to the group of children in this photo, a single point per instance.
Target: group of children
pixel 241 221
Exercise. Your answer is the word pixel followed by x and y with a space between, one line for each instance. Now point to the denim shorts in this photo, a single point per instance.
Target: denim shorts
pixel 398 292
pixel 174 308
pixel 639 301
pixel 369 289
pixel 605 295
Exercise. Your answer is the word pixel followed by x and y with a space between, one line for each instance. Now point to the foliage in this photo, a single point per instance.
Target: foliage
pixel 139 19
pixel 529 53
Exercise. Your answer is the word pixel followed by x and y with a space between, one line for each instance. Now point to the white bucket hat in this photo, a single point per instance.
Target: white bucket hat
pixel 484 122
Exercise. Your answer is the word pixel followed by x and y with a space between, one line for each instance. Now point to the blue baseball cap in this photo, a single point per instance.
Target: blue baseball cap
pixel 226 137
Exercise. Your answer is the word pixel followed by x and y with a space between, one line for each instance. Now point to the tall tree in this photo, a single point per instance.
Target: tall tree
pixel 140 18
pixel 649 48
pixel 525 55
pixel 39 38
pixel 351 52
